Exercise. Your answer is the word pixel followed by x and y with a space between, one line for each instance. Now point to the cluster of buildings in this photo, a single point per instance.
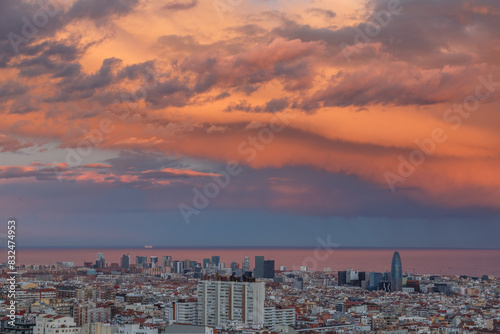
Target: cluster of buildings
pixel 168 296
pixel 167 267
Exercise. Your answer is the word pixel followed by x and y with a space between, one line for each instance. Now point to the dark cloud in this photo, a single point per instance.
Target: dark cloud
pixel 398 84
pixel 136 71
pixel 39 172
pixel 222 96
pixel 175 5
pixel 275 105
pixel 326 13
pixel 173 92
pixel 427 33
pixel 101 10
pixel 22 23
pixel 248 69
pixel 242 105
pixel 248 89
pixel 80 85
pixel 139 160
pixel 11 144
pixel 27 26
pixel 11 89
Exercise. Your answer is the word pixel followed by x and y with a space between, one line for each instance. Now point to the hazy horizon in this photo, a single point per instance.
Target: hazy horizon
pixel 254 124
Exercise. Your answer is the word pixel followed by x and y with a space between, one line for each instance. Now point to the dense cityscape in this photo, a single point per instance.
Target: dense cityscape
pixel 165 295
pixel 250 166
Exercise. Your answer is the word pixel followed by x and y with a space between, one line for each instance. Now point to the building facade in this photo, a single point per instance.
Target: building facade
pixel 220 302
pixel 259 267
pixel 396 273
pixel 52 324
pixel 278 316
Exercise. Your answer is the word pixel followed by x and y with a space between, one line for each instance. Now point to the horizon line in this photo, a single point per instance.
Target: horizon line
pixel 255 247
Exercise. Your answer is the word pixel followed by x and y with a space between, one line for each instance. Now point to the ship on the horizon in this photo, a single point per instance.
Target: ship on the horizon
pixel 148 246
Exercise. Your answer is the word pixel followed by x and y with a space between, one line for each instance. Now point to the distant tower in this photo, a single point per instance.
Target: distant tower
pixel 101 262
pixel 166 261
pixel 125 261
pixel 268 268
pixel 259 267
pixel 141 261
pixel 396 273
pixel 246 264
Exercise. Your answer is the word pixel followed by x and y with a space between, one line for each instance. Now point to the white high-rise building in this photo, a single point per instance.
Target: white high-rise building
pixel 52 324
pixel 185 312
pixel 278 316
pixel 221 302
pixel 246 264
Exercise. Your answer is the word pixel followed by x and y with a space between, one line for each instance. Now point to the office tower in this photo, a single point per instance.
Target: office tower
pixel 197 272
pixel 216 260
pixel 187 264
pixel 375 279
pixel 100 263
pixel 206 262
pixel 342 278
pixel 234 266
pixel 396 273
pixel 246 264
pixel 154 261
pixel 166 261
pixel 362 280
pixel 269 269
pixel 125 261
pixel 352 276
pixel 141 261
pixel 178 267
pixel 259 267
pixel 223 301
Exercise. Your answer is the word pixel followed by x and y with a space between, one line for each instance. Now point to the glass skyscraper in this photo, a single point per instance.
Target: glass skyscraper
pixel 259 267
pixel 396 273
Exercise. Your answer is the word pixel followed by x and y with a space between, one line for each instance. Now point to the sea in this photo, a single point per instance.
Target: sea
pixel 471 262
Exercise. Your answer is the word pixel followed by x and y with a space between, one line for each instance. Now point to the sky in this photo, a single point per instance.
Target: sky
pixel 226 123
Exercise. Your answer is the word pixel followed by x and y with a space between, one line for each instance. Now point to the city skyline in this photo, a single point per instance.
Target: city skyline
pixel 253 124
pixel 437 262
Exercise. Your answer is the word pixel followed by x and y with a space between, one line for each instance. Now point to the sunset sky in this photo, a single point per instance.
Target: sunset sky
pixel 373 122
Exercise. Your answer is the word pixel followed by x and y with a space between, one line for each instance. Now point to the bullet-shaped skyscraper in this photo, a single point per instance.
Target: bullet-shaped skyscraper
pixel 396 273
